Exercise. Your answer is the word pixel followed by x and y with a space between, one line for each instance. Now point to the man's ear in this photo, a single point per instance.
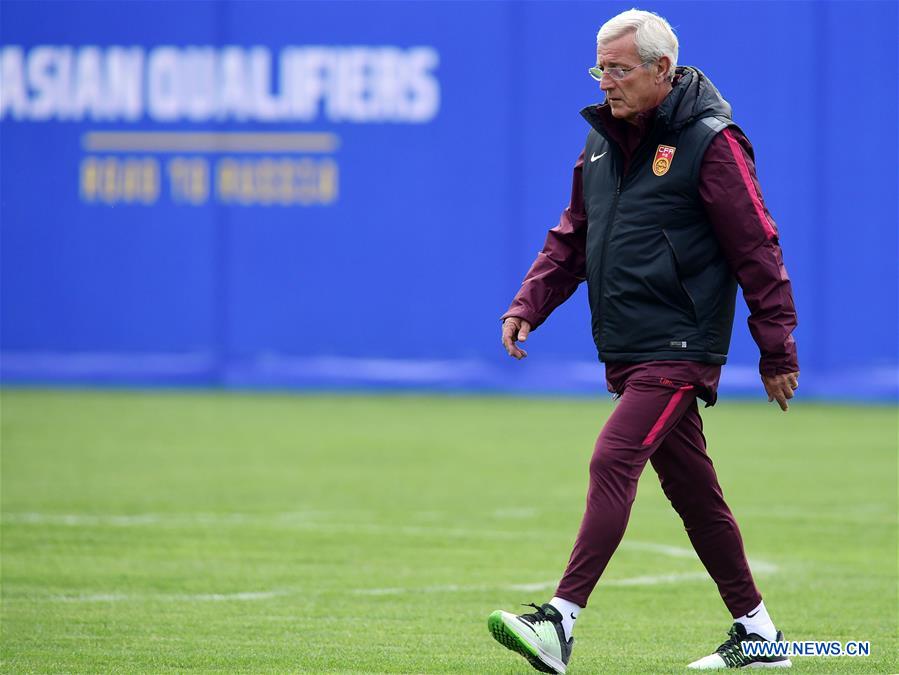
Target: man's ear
pixel 662 66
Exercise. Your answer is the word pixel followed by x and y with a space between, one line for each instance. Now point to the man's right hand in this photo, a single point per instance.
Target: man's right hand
pixel 515 330
pixel 780 388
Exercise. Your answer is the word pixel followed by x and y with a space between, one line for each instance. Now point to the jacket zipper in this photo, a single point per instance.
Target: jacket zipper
pixel 642 149
pixel 605 243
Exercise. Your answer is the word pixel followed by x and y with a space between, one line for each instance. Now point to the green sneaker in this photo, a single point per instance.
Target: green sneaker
pixel 731 655
pixel 538 637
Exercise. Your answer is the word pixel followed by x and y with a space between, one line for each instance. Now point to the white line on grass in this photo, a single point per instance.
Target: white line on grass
pixel 89 597
pixel 523 512
pixel 294 520
pixel 862 513
pixel 81 520
pixel 647 580
pixel 301 520
pixel 757 565
pixel 169 597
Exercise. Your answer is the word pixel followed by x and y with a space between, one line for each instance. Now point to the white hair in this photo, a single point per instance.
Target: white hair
pixel 653 35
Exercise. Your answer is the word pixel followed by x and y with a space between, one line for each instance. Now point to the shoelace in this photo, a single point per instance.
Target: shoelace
pixel 730 651
pixel 539 615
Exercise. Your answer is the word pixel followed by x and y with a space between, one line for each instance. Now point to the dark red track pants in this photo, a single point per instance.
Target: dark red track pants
pixel 658 421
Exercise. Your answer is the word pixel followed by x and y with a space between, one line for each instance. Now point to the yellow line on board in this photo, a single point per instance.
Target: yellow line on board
pixel 208 141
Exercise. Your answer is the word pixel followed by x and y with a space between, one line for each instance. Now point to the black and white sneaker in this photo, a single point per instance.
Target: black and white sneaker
pixel 538 637
pixel 731 654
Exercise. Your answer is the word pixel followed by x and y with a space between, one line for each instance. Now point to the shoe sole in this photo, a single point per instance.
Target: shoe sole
pixel 509 638
pixel 786 663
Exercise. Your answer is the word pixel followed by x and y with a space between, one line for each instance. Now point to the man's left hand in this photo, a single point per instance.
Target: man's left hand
pixel 780 388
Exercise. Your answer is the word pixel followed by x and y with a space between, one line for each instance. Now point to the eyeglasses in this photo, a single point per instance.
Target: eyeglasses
pixel 617 73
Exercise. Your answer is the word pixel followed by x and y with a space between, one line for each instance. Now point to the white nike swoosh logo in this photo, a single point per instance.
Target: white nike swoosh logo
pixel 594 156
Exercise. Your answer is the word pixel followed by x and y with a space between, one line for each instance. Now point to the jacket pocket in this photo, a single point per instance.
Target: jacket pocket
pixel 688 299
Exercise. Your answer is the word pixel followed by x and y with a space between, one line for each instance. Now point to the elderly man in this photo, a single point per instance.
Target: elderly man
pixel 666 218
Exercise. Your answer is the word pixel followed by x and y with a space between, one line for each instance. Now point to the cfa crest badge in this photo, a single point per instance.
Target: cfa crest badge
pixel 662 161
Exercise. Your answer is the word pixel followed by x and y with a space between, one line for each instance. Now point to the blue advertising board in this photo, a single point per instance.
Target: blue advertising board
pixel 347 194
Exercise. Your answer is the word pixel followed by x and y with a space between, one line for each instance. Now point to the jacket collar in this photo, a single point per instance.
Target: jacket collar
pixel 692 97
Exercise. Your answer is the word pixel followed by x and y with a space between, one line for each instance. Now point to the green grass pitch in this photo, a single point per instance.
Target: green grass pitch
pixel 175 532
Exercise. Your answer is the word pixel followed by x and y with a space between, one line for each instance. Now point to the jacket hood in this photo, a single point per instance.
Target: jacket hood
pixel 692 98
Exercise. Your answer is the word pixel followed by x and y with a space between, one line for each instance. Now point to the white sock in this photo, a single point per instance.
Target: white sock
pixel 757 621
pixel 569 612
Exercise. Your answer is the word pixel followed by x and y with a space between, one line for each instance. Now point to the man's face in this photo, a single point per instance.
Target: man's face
pixel 641 89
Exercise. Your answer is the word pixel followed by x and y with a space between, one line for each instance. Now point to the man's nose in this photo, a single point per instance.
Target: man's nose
pixel 606 83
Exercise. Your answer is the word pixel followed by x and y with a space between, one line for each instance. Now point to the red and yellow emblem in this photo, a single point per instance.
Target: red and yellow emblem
pixel 662 161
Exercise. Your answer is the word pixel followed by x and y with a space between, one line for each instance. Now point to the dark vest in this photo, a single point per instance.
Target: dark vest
pixel 658 284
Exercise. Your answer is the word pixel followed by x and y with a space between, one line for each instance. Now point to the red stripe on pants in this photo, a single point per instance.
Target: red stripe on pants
pixel 666 415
